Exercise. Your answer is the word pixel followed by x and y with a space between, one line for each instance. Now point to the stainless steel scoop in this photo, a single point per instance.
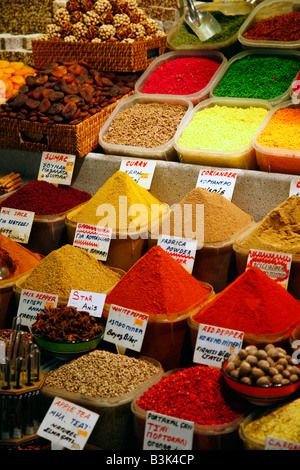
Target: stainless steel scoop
pixel 4 273
pixel 201 22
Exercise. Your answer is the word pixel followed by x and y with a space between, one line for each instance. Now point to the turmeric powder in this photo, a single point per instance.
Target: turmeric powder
pixel 119 204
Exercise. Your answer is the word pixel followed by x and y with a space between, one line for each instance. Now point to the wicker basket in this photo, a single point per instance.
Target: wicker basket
pixel 76 140
pixel 106 56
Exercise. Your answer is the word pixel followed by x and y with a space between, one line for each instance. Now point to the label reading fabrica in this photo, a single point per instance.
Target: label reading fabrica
pixel 274 443
pixel 163 432
pixel 295 187
pixel 32 302
pixel 56 168
pixel 214 345
pixel 90 302
pixel 93 239
pixel 16 224
pixel 217 181
pixel 276 265
pixel 141 171
pixel 125 327
pixel 67 424
pixel 182 250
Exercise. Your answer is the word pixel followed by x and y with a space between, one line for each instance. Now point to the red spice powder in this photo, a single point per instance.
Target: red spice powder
pixel 253 303
pixel 197 394
pixel 45 198
pixel 277 28
pixel 181 76
pixel 158 284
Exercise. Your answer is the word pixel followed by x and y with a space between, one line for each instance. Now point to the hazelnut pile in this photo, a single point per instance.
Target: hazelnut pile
pixel 265 367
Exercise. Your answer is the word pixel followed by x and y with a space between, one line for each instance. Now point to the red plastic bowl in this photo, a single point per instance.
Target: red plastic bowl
pixel 261 395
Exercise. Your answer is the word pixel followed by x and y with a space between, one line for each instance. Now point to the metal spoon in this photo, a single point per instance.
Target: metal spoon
pixel 201 22
pixel 4 273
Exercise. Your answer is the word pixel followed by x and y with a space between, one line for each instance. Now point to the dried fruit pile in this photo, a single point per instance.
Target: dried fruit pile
pixel 101 21
pixel 12 76
pixel 67 93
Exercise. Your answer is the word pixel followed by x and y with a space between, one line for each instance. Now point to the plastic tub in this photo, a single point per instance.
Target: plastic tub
pixel 276 160
pixel 165 334
pixel 249 442
pixel 206 437
pixel 241 256
pixel 229 46
pixel 114 429
pixel 295 55
pixel 242 158
pixel 164 152
pixel 265 10
pixel 200 95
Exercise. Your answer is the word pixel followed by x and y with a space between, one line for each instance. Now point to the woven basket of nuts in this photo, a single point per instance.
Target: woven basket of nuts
pixel 110 35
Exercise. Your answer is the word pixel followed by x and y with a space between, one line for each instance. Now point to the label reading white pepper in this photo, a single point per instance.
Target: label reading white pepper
pixel 16 224
pixel 56 168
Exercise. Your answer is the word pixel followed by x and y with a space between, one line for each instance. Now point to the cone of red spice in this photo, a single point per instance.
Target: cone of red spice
pixel 253 303
pixel 158 284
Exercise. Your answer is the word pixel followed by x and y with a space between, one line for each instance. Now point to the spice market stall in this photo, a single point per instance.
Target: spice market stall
pixel 133 334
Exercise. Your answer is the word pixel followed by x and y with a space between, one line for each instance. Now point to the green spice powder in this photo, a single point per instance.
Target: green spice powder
pixel 258 77
pixel 230 25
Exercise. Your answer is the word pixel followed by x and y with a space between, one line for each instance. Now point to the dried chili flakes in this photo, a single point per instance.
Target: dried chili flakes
pixel 64 324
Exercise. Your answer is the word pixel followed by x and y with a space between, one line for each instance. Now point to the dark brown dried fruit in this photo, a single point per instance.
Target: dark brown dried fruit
pixel 73 99
pixel 30 80
pixel 58 119
pixel 44 106
pixel 19 101
pixel 56 96
pixel 41 79
pixel 86 94
pixel 32 104
pixel 69 88
pixel 47 92
pixel 23 89
pixel 69 111
pixel 56 108
pixel 59 71
pixel 69 77
pixel 77 69
pixel 36 94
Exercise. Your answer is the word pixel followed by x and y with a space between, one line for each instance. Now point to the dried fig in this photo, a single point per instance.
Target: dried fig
pixel 32 104
pixel 44 106
pixel 56 96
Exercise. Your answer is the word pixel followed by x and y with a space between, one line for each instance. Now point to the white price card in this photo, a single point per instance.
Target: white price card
pixel 94 239
pixel 16 224
pixel 182 250
pixel 215 344
pixel 141 171
pixel 274 443
pixel 276 265
pixel 67 424
pixel 295 187
pixel 90 302
pixel 32 302
pixel 56 168
pixel 163 432
pixel 218 181
pixel 125 327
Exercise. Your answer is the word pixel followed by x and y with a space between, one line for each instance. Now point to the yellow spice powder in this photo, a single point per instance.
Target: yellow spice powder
pixel 279 230
pixel 282 422
pixel 120 203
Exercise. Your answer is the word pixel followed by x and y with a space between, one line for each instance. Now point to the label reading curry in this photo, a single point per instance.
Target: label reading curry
pixel 56 168
pixel 141 171
pixel 16 224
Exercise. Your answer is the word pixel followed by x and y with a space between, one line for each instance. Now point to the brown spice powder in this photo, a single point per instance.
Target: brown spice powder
pixel 147 125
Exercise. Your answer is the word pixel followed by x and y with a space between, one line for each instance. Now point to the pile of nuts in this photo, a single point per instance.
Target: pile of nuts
pixel 264 367
pixel 67 93
pixel 102 21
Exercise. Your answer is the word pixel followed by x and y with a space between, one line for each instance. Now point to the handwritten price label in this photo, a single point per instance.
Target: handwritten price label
pixel 32 302
pixel 218 181
pixel 94 239
pixel 16 224
pixel 295 187
pixel 56 168
pixel 141 171
pixel 276 265
pixel 182 250
pixel 90 302
pixel 214 345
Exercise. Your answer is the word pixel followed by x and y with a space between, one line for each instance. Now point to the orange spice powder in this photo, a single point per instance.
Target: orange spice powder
pixel 282 131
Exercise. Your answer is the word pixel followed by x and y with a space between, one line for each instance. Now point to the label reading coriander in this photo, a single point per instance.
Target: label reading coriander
pixel 217 181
